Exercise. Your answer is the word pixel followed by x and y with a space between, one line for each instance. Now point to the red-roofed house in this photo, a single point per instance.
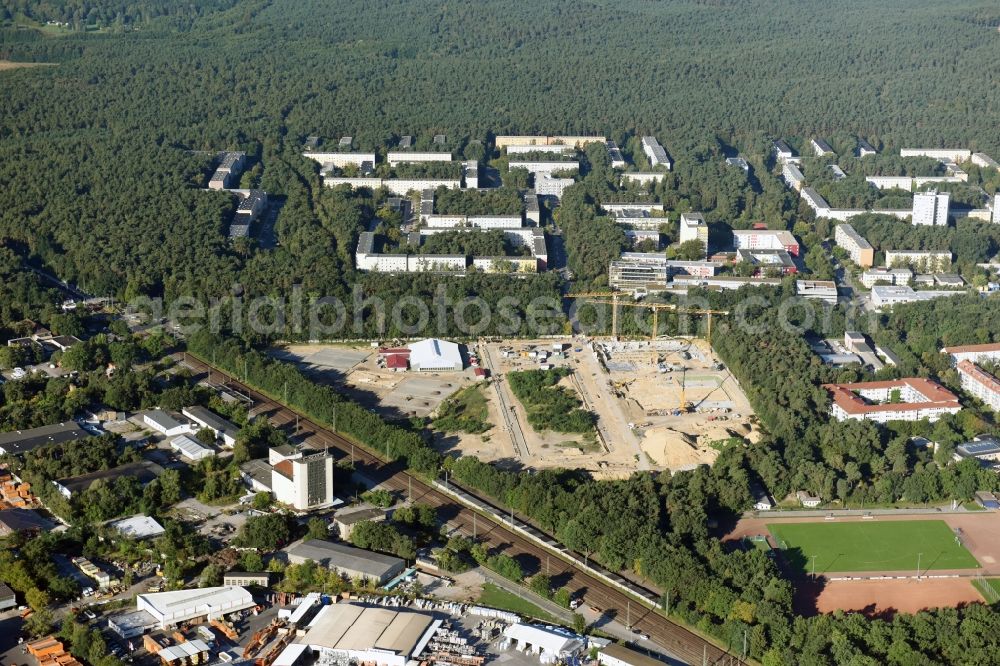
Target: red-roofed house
pixel 397 362
pixel 973 353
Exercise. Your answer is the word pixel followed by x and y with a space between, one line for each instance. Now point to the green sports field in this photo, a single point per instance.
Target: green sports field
pixel 871 546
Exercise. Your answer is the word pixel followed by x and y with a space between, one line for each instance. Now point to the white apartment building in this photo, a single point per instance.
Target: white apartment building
pixel 821 147
pixel 860 250
pixel 793 177
pixel 693 227
pixel 931 208
pixel 956 155
pixel 973 353
pixel 304 481
pixel 470 172
pixel 395 157
pixel 783 152
pixel 984 161
pixel 615 156
pixel 899 276
pixel 642 177
pixel 765 239
pixel 980 384
pixel 865 149
pixel 925 261
pixel 655 153
pixel 546 167
pixel 547 186
pixel 340 160
pixel 550 149
pixel 910 399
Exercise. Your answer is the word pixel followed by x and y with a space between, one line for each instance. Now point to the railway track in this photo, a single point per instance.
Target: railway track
pixel 500 533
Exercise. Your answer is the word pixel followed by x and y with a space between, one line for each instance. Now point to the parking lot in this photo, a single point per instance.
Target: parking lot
pixel 420 395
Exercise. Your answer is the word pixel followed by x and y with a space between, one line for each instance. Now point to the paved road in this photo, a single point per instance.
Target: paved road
pixel 672 639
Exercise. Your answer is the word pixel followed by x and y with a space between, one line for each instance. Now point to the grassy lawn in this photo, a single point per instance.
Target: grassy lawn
pixel 871 546
pixel 989 588
pixel 466 411
pixel 495 597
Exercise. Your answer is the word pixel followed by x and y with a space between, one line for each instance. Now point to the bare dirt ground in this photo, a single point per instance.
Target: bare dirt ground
pixel 7 64
pixel 882 597
pixel 622 384
pixel 355 369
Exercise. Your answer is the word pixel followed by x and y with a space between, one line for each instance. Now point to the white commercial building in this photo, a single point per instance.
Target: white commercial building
pixel 164 423
pixel 931 208
pixel 865 149
pixel 876 276
pixel 888 295
pixel 470 171
pixel 169 609
pixel 350 633
pixel 615 156
pixel 783 152
pixel 204 418
pixel 822 290
pixel 655 153
pixel 616 654
pixel 303 480
pixel 138 527
pixel 549 644
pixel 190 448
pixel 434 355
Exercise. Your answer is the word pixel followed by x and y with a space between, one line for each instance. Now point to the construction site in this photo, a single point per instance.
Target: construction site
pixel 660 404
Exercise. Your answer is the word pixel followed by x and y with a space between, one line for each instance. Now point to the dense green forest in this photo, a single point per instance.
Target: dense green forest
pixel 96 153
pixel 104 157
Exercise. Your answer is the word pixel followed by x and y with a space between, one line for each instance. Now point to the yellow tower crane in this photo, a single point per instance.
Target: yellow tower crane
pixel 601 298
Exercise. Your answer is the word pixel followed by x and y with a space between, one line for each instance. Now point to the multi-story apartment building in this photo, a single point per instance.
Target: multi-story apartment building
pixel 931 208
pixel 910 399
pixel 766 239
pixel 860 250
pixel 980 384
